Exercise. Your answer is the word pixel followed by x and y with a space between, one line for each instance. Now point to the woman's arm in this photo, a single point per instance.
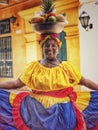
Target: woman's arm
pixel 12 84
pixel 88 83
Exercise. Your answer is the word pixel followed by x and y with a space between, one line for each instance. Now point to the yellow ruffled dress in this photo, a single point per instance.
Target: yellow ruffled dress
pixel 41 78
pixel 51 104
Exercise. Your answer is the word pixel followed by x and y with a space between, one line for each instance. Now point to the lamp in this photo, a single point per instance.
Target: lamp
pixel 84 20
pixel 13 20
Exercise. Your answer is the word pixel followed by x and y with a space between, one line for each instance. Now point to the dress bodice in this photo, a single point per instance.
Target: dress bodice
pixel 38 77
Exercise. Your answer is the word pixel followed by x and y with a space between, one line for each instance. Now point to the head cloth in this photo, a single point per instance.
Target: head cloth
pixel 45 37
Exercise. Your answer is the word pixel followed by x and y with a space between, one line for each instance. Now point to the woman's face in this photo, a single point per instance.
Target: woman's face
pixel 50 49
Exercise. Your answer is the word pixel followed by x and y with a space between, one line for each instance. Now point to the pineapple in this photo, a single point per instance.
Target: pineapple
pixel 47 6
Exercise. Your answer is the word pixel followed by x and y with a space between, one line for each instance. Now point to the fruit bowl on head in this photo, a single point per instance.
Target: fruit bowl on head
pixel 48 27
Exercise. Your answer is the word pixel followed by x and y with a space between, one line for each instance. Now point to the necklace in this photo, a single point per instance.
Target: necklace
pixel 50 63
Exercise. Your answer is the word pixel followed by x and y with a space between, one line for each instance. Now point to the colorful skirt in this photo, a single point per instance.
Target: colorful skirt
pixel 24 111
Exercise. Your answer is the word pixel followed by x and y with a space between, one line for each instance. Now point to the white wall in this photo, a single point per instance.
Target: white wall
pixel 89 44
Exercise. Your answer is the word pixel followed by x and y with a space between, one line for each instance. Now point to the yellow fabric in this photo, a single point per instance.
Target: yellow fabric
pixel 12 97
pixel 47 37
pixel 83 99
pixel 48 101
pixel 39 77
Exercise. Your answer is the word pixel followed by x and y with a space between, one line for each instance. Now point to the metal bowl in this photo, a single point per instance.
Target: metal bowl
pixel 48 27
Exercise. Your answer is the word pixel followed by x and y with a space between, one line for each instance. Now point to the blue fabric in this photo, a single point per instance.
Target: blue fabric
pixel 57 117
pixel 6 121
pixel 91 112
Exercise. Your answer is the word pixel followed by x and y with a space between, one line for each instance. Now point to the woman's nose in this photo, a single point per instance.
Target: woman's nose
pixel 50 47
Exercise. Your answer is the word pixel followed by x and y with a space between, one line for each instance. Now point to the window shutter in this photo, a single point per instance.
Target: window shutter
pixel 62 54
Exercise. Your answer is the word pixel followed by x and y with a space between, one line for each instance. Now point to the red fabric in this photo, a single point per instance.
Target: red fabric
pixel 18 121
pixel 80 124
pixel 96 128
pixel 53 35
pixel 57 93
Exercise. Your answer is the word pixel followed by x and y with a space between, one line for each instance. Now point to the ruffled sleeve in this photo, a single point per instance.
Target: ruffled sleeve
pixel 25 76
pixel 73 73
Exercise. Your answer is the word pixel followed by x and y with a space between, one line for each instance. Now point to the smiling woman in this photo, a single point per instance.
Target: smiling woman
pixel 52 103
pixel 50 51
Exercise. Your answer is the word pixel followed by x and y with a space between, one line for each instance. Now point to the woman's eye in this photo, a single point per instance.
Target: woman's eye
pixel 52 46
pixel 46 46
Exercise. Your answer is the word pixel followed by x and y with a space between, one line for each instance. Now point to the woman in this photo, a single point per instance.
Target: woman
pixel 51 103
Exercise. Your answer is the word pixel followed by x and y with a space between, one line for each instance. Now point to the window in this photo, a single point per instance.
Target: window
pixel 5 26
pixel 5 57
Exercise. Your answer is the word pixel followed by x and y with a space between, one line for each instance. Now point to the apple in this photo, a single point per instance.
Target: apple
pixel 51 14
pixel 52 18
